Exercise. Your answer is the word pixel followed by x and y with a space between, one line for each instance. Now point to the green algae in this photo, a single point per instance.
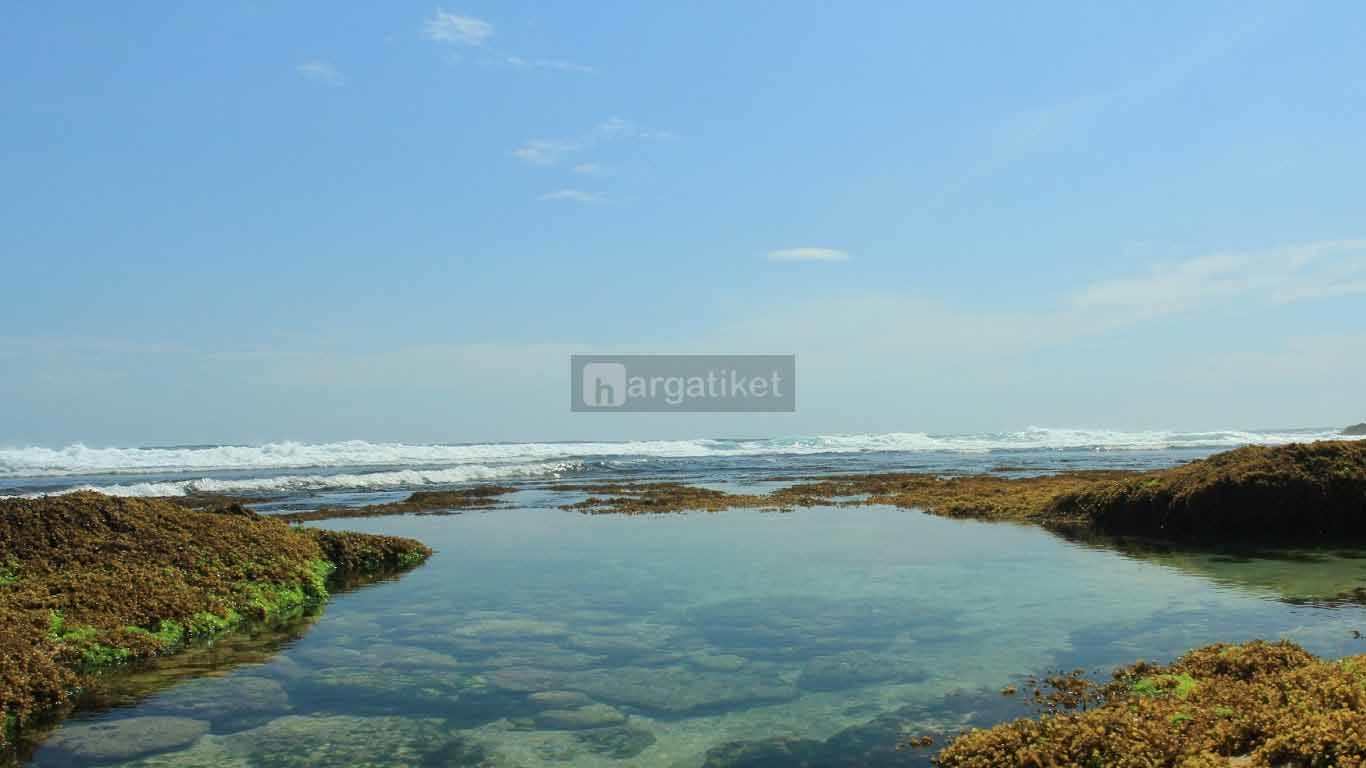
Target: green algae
pixel 82 642
pixel 267 600
pixel 166 633
pixel 1179 685
pixel 9 572
pixel 410 559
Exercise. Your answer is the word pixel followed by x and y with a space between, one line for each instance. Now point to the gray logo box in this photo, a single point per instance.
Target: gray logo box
pixel 683 383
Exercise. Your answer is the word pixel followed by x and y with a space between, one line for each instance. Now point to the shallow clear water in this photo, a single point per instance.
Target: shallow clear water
pixel 541 637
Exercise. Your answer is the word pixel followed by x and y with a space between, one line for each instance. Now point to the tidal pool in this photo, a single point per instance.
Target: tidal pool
pixel 539 637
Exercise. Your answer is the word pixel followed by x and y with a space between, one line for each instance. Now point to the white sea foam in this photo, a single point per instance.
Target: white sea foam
pixel 82 460
pixel 403 478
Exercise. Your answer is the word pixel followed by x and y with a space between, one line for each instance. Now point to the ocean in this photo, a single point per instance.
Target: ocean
pixel 300 469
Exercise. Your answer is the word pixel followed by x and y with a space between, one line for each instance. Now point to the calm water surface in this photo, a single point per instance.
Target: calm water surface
pixel 541 637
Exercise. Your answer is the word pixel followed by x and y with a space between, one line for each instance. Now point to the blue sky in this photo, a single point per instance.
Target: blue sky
pixel 246 222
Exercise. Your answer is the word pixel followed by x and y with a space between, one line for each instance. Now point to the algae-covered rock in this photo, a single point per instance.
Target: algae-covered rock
pixel 94 581
pixel 679 689
pixel 102 742
pixel 1272 703
pixel 1296 492
pixel 581 718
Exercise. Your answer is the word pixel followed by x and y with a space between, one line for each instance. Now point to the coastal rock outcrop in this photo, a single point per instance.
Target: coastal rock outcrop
pixel 1301 491
pixel 90 581
pixel 1264 704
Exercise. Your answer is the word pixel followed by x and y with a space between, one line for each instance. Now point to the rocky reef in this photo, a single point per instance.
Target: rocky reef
pixel 89 581
pixel 1309 491
pixel 421 503
pixel 1258 704
pixel 976 496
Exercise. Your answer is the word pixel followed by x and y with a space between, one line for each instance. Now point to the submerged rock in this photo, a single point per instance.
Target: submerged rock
pixel 126 739
pixel 551 657
pixel 678 689
pixel 410 657
pixel 385 690
pixel 375 742
pixel 800 626
pixel 875 743
pixel 620 743
pixel 525 679
pixel 230 704
pixel 511 629
pixel 581 718
pixel 208 752
pixel 853 669
pixel 559 699
pixel 333 657
pixel 716 662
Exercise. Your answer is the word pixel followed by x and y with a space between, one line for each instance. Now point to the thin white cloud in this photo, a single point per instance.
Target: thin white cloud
pixel 451 28
pixel 1281 275
pixel 558 65
pixel 621 128
pixel 808 254
pixel 1170 287
pixel 615 127
pixel 571 195
pixel 589 169
pixel 320 71
pixel 543 151
pixel 553 151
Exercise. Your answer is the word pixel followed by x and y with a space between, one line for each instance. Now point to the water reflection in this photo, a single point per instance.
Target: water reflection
pixel 1325 576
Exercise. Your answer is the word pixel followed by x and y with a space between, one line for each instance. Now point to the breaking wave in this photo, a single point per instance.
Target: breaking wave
pixel 404 478
pixel 79 459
